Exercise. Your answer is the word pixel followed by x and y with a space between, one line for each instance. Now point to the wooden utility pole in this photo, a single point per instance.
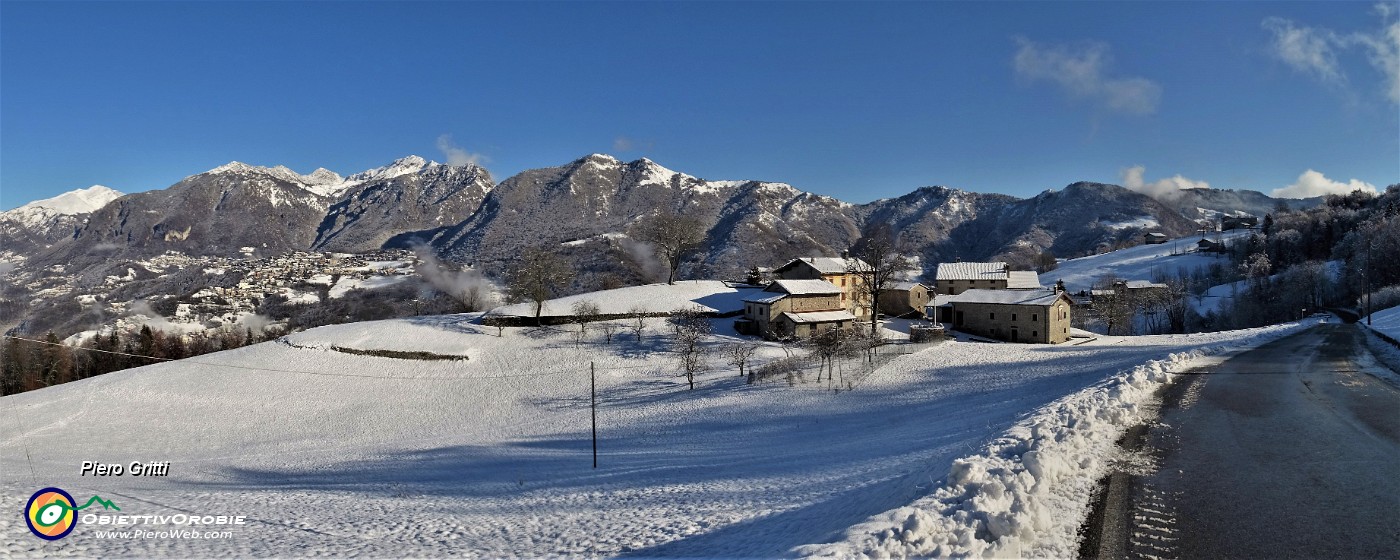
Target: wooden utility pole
pixel 593 396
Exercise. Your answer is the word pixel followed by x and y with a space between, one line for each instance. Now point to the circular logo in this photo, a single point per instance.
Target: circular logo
pixel 50 514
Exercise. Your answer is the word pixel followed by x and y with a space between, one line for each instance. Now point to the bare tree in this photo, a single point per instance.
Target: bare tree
pixel 691 329
pixel 739 354
pixel 609 329
pixel 827 345
pixel 536 277
pixel 877 265
pixel 1113 303
pixel 673 234
pixel 583 312
pixel 495 321
pixel 638 314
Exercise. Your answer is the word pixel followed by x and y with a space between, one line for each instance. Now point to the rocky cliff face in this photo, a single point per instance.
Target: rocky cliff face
pixel 414 203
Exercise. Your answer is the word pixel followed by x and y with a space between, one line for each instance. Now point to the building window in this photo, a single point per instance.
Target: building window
pixel 994 316
pixel 1013 316
pixel 1033 317
pixel 843 281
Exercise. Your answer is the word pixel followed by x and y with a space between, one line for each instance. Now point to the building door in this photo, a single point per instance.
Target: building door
pixel 958 319
pixel 1015 336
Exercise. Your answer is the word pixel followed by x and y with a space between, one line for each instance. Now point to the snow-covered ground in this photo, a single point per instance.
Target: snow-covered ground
pixel 707 295
pixel 346 284
pixel 1386 321
pixel 331 453
pixel 1137 263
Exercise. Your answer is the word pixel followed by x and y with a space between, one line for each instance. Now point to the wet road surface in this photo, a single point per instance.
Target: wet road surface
pixel 1287 451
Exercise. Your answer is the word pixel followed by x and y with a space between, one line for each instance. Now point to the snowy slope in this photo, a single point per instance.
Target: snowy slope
pixel 1386 321
pixel 332 453
pixel 707 295
pixel 1135 263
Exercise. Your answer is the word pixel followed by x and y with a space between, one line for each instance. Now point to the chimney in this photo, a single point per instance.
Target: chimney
pixel 1060 286
pixel 846 254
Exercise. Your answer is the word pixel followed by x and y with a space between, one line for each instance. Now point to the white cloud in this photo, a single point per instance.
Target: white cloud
pixel 1080 72
pixel 622 144
pixel 1161 188
pixel 1317 51
pixel 1307 50
pixel 1383 49
pixel 1311 183
pixel 456 155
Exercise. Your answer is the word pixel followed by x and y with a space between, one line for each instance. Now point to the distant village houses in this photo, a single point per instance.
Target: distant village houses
pixel 1208 246
pixel 1154 238
pixel 1228 223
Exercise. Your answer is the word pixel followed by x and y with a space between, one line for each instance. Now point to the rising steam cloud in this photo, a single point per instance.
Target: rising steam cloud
pixel 455 283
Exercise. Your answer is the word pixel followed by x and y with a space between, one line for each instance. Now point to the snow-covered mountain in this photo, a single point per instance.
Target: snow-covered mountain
pixel 275 210
pixel 69 203
pixel 43 222
pixel 585 208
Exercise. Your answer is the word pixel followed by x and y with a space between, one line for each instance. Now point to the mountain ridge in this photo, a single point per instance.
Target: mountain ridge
pixel 586 206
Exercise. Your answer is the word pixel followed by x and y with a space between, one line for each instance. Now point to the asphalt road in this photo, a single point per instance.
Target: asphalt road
pixel 1288 451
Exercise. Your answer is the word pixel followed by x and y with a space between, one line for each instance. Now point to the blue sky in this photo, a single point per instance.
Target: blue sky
pixel 857 101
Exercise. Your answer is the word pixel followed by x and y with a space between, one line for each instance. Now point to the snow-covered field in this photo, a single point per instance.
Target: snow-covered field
pixel 1136 263
pixel 328 453
pixel 706 295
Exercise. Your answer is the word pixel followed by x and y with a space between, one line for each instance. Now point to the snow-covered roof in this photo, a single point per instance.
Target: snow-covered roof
pixel 824 265
pixel 820 316
pixel 903 286
pixel 804 287
pixel 1142 284
pixel 971 271
pixel 1022 280
pixel 1007 297
pixel 769 298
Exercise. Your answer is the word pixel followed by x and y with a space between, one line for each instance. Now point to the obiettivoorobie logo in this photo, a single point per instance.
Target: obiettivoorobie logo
pixel 51 513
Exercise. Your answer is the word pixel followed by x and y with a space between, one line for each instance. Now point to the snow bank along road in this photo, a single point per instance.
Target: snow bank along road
pixel 1291 450
pixel 330 453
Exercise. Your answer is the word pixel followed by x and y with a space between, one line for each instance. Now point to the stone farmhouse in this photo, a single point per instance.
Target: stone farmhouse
pixel 834 271
pixel 799 308
pixel 1154 238
pixel 904 299
pixel 1035 316
pixel 956 278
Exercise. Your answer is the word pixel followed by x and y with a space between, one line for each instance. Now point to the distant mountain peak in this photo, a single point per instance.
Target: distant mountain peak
pixel 402 166
pixel 71 203
pixel 79 201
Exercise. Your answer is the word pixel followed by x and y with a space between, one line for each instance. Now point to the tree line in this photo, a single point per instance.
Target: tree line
pixel 29 364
